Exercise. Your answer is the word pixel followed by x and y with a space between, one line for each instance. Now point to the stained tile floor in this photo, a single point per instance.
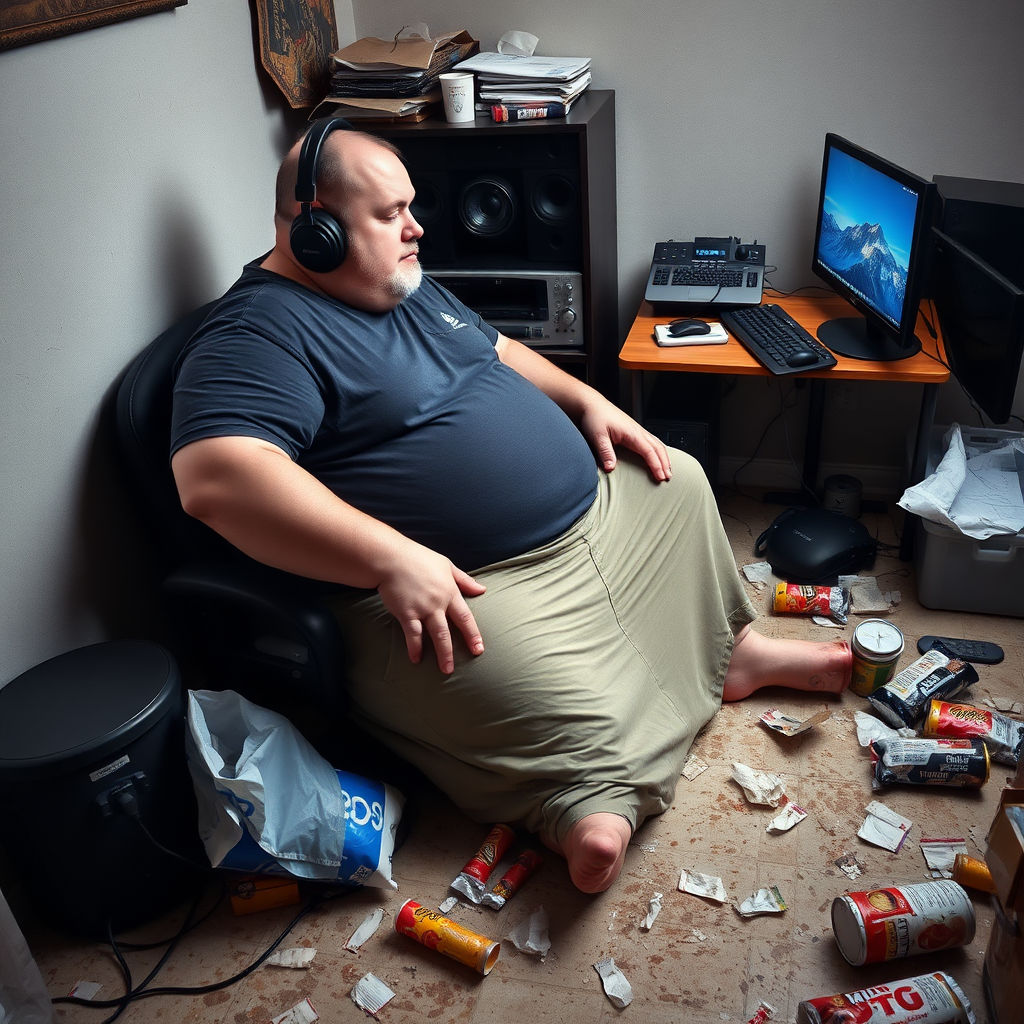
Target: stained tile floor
pixel 700 963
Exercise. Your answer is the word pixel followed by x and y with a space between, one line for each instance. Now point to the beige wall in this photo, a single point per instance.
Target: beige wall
pixel 137 163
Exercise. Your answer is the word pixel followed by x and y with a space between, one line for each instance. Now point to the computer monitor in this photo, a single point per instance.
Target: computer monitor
pixel 982 317
pixel 870 246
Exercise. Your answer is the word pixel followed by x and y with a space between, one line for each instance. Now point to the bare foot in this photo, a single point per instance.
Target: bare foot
pixel 595 849
pixel 798 664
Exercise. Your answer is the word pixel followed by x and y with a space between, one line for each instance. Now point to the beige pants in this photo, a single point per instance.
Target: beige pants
pixel 606 652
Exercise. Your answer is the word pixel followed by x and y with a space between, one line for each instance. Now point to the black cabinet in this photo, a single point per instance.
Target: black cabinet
pixel 535 198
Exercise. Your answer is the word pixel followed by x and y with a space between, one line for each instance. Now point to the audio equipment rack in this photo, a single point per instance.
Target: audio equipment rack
pixel 526 196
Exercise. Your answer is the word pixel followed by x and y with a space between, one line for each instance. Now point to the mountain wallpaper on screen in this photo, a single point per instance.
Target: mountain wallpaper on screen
pixel 861 256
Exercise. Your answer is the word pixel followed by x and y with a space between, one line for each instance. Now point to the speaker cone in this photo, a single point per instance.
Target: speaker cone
pixel 428 204
pixel 487 207
pixel 554 199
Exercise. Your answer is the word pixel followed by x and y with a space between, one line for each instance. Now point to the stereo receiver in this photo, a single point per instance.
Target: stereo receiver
pixel 716 273
pixel 540 308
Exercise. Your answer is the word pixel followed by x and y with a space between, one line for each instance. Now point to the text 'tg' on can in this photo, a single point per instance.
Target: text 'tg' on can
pixel 877 646
pixel 898 921
pixel 437 932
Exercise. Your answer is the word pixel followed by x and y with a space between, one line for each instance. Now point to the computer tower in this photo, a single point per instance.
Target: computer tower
pixel 986 217
pixel 682 410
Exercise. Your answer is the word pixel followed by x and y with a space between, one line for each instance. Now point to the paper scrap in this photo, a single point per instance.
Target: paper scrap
pixel 448 905
pixel 867 599
pixel 709 886
pixel 653 910
pixel 365 929
pixel 939 855
pixel 300 1013
pixel 765 1011
pixel 696 935
pixel 884 827
pixel 849 865
pixel 614 982
pixel 774 719
pixel 1007 705
pixel 370 994
pixel 85 989
pixel 531 934
pixel 764 901
pixel 759 787
pixel 870 728
pixel 693 767
pixel 979 836
pixel 758 573
pixel 522 44
pixel 790 815
pixel 299 957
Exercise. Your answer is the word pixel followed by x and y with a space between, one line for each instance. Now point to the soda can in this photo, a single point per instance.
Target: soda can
pixel 928 999
pixel 905 920
pixel 435 931
pixel 877 645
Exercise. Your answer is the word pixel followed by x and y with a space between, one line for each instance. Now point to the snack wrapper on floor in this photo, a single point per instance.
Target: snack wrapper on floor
pixel 472 879
pixel 270 804
pixel 905 699
pixel 807 599
pixel 931 762
pixel 1003 736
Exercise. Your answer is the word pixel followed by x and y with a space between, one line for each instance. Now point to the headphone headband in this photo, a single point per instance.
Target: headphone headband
pixel 309 155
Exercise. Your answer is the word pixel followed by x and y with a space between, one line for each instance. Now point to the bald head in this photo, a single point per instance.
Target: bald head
pixel 334 181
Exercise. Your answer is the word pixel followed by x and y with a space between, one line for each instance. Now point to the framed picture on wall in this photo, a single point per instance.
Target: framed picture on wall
pixel 31 21
pixel 297 39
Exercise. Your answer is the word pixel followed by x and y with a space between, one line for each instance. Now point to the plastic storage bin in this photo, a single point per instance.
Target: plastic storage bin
pixel 83 737
pixel 959 573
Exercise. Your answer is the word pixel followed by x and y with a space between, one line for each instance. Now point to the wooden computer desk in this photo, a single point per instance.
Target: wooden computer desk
pixel 639 352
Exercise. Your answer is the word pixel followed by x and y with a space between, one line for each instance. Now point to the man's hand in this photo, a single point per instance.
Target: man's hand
pixel 605 425
pixel 425 592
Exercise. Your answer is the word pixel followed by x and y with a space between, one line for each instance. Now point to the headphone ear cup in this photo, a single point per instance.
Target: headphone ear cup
pixel 318 241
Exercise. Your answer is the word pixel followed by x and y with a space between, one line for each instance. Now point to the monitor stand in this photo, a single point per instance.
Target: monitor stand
pixel 854 337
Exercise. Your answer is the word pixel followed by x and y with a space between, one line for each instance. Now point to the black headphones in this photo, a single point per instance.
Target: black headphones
pixel 318 241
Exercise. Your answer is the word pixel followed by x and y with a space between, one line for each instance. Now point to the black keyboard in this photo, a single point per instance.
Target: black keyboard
pixel 772 336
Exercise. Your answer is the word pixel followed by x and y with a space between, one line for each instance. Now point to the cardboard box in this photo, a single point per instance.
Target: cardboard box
pixel 253 893
pixel 1003 972
pixel 1005 854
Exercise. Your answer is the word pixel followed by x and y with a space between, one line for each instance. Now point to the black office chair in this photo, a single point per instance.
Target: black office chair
pixel 247 627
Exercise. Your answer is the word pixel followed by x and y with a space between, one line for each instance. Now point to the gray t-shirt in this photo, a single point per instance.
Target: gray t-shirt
pixel 407 415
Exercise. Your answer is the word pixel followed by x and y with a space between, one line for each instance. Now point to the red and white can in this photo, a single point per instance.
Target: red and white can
pixel 898 921
pixel 929 999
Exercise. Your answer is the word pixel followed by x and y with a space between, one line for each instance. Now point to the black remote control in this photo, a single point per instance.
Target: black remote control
pixel 981 651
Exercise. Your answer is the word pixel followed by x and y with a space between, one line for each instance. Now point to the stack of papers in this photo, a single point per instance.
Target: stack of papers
pixel 382 79
pixel 513 80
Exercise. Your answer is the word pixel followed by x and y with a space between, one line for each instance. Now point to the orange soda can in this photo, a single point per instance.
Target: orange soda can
pixel 435 931
pixel 972 873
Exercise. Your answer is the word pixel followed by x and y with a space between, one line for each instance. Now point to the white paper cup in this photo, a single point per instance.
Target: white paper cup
pixel 457 92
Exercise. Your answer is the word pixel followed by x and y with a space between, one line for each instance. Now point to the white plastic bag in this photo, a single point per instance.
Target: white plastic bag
pixel 269 803
pixel 23 996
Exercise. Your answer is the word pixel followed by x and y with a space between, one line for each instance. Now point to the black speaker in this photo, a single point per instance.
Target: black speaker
pixel 498 202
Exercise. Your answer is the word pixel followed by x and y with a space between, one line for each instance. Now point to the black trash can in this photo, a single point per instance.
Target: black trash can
pixel 92 758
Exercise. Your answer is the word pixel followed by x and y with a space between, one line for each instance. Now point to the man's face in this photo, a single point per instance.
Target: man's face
pixel 381 267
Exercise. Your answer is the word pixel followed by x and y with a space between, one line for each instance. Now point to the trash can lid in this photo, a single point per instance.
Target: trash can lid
pixel 80 705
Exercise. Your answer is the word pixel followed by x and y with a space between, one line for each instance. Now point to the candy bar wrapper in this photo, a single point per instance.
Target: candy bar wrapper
pixel 904 700
pixel 512 880
pixel 1002 735
pixel 806 599
pixel 931 762
pixel 472 880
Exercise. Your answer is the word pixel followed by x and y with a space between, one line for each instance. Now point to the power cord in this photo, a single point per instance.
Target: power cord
pixel 128 803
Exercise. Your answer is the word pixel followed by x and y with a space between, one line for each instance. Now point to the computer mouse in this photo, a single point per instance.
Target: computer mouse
pixel 802 357
pixel 687 328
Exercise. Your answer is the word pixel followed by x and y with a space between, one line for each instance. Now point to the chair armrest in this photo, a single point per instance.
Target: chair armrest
pixel 258 630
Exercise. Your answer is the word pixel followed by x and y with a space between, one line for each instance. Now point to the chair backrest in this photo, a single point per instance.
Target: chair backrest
pixel 144 436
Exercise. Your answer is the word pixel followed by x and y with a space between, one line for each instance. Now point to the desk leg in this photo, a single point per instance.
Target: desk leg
pixel 807 496
pixel 920 461
pixel 636 380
